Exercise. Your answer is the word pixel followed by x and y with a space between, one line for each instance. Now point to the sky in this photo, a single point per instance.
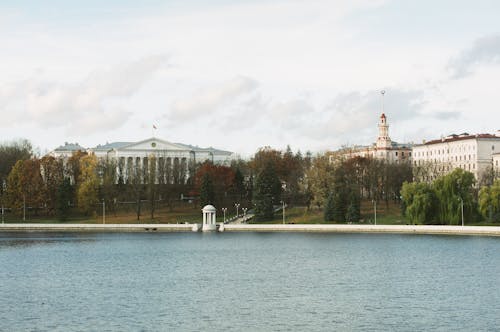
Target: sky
pixel 239 75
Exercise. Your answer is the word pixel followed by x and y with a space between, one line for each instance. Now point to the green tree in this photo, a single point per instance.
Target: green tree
pixel 63 199
pixel 420 202
pixel 451 190
pixel 207 194
pixel 329 210
pixel 267 193
pixel 489 202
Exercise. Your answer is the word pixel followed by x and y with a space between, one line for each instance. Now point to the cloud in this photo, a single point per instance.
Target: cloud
pixel 353 111
pixel 207 101
pixel 81 107
pixel 485 50
pixel 447 115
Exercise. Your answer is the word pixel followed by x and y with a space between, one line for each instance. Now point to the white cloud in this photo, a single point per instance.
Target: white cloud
pixel 205 102
pixel 484 51
pixel 80 107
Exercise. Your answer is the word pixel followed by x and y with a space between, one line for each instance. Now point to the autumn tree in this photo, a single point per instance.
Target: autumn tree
pixel 88 185
pixel 25 185
pixel 10 154
pixel 52 170
pixel 222 179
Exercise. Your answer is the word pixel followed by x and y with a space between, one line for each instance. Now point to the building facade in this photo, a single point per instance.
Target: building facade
pixel 133 155
pixel 383 149
pixel 473 153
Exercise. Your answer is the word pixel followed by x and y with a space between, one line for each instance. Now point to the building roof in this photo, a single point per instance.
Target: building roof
pixel 70 147
pixel 198 149
pixel 113 145
pixel 460 137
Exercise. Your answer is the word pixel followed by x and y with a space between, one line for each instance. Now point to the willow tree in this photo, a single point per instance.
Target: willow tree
pixel 420 202
pixel 489 201
pixel 452 190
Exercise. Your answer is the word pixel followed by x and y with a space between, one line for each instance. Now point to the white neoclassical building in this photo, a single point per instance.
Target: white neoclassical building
pixel 474 153
pixel 130 154
pixel 384 148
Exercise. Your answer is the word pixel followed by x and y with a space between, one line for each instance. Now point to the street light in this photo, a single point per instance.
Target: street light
pixel 283 202
pixel 103 211
pixel 462 209
pixel 237 205
pixel 375 210
pixel 244 214
pixel 224 211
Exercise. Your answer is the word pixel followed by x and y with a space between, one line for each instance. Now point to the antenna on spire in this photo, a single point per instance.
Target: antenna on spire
pixel 382 93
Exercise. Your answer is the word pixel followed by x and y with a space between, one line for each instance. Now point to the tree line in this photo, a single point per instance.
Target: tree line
pixel 270 179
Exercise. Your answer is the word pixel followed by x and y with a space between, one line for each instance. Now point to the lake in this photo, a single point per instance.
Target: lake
pixel 248 282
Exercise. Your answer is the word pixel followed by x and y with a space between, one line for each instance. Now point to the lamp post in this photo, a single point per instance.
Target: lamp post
pixel 103 211
pixel 244 214
pixel 375 210
pixel 462 209
pixel 237 206
pixel 24 207
pixel 283 204
pixel 224 211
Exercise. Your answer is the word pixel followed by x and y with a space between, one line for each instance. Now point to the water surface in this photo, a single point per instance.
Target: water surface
pixel 247 281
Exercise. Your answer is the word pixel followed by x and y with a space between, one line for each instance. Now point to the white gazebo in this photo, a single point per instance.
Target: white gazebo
pixel 209 218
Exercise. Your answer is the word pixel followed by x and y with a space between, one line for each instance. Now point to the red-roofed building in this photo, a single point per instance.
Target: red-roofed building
pixel 473 153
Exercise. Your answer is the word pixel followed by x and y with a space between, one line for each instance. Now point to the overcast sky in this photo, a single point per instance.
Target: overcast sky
pixel 239 75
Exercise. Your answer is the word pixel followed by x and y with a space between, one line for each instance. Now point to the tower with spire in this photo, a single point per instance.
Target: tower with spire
pixel 383 140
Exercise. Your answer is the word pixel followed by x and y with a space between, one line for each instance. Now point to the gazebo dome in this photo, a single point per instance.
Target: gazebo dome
pixel 209 208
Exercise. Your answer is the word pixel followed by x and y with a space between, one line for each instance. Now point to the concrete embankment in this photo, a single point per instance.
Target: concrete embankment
pixel 97 227
pixel 405 229
pixel 343 228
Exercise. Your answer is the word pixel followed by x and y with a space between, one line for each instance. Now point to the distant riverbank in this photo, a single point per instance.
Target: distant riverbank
pixel 335 228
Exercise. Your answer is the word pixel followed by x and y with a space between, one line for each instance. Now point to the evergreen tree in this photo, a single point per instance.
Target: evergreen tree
pixel 353 213
pixel 267 192
pixel 207 194
pixel 63 199
pixel 329 208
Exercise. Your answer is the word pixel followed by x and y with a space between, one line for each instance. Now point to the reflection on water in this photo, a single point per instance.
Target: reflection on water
pixel 247 282
pixel 25 239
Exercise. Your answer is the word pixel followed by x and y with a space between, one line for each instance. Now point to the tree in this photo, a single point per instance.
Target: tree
pixel 10 154
pixel 25 185
pixel 152 187
pixel 451 190
pixel 489 202
pixel 63 199
pixel 207 195
pixel 52 171
pixel 318 180
pixel 88 187
pixel 329 209
pixel 106 168
pixel 420 202
pixel 267 193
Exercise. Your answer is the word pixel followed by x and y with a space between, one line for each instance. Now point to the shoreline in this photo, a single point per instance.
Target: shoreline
pixel 306 228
